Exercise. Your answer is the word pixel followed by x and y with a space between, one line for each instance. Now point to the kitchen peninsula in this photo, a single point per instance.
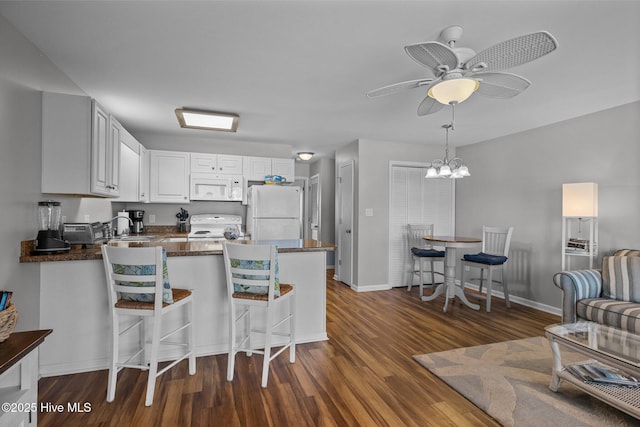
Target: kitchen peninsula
pixel 73 297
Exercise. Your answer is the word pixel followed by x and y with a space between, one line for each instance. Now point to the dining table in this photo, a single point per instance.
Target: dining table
pixel 449 286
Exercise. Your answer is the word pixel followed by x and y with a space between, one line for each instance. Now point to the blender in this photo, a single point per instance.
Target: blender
pixel 49 236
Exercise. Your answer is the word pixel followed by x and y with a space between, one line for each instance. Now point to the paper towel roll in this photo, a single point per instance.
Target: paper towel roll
pixel 123 223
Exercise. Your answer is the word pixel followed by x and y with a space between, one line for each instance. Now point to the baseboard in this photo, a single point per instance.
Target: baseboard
pixel 103 363
pixel 519 300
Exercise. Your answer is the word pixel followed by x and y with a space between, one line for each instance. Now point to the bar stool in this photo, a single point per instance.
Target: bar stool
pixel 494 256
pixel 420 252
pixel 138 287
pixel 252 281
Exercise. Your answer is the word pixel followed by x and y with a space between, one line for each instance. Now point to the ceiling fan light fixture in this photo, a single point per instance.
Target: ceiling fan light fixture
pixel 453 90
pixel 305 155
pixel 207 120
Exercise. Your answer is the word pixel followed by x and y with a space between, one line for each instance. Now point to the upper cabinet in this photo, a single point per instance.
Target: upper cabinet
pixel 130 162
pixel 169 176
pixel 80 147
pixel 284 167
pixel 143 177
pixel 256 168
pixel 216 163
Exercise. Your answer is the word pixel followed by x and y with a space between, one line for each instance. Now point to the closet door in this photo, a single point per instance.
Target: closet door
pixel 415 199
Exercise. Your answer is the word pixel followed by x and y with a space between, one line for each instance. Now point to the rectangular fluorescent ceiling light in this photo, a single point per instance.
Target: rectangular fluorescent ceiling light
pixel 207 120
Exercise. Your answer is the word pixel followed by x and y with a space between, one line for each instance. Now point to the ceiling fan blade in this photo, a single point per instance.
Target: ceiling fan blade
pixel 398 87
pixel 511 53
pixel 501 85
pixel 429 106
pixel 433 55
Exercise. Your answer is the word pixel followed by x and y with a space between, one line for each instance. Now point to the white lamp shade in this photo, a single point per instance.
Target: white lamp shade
pixel 431 172
pixel 464 171
pixel 445 170
pixel 453 90
pixel 580 199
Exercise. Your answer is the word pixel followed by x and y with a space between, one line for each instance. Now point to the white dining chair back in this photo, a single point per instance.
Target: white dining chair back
pixel 494 256
pixel 420 253
pixel 252 282
pixel 135 286
pixel 496 240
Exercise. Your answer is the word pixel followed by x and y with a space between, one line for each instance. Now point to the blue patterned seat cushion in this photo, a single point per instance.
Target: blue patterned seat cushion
pixel 145 270
pixel 258 266
pixel 620 314
pixel 483 258
pixel 421 252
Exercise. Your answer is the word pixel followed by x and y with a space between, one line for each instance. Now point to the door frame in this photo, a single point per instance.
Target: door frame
pixel 312 179
pixel 305 205
pixel 338 267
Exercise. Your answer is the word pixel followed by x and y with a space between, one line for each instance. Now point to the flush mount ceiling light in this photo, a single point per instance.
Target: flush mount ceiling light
pixel 305 155
pixel 445 168
pixel 207 120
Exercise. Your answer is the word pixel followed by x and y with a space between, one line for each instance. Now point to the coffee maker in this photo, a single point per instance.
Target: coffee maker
pixel 49 240
pixel 136 217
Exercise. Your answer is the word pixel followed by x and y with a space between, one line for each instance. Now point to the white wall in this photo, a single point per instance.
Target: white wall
pixel 24 73
pixel 517 180
pixel 371 189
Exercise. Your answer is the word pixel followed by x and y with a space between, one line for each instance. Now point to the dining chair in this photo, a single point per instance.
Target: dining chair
pixel 138 289
pixel 253 282
pixel 493 257
pixel 421 252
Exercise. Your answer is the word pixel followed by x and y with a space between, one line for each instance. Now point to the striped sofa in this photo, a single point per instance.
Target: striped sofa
pixel 609 296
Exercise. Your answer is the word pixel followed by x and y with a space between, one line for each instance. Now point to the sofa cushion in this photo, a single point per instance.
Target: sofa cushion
pixel 621 278
pixel 627 252
pixel 620 314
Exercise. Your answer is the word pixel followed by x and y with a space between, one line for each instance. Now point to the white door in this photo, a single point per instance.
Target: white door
pixel 314 207
pixel 345 223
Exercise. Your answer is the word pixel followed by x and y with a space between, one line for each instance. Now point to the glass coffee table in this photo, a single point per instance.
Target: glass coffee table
pixel 603 345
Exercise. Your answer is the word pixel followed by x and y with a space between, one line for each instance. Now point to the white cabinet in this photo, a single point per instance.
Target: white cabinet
pixel 134 169
pixel 143 178
pixel 216 163
pixel 169 176
pixel 284 168
pixel 80 147
pixel 129 168
pixel 579 241
pixel 256 168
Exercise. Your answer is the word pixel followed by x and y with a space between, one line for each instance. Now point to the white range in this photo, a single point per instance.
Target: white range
pixel 213 226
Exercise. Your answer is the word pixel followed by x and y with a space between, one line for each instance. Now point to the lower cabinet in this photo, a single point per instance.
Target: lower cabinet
pixel 169 176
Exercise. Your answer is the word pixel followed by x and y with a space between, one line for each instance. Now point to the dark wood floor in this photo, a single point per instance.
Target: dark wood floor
pixel 364 375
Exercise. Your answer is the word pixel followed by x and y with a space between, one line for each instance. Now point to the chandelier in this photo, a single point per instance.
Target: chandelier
pixel 448 168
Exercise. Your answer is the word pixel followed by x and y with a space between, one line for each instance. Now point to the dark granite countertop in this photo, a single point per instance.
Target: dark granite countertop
pixel 183 247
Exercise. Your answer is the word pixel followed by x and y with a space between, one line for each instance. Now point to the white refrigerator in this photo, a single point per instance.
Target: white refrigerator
pixel 274 212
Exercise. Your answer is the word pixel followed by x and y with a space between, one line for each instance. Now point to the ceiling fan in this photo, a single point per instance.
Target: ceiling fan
pixel 458 72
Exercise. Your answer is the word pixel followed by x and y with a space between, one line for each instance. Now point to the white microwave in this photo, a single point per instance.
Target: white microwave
pixel 207 186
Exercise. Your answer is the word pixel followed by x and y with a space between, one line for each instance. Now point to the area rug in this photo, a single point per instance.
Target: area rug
pixel 510 382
